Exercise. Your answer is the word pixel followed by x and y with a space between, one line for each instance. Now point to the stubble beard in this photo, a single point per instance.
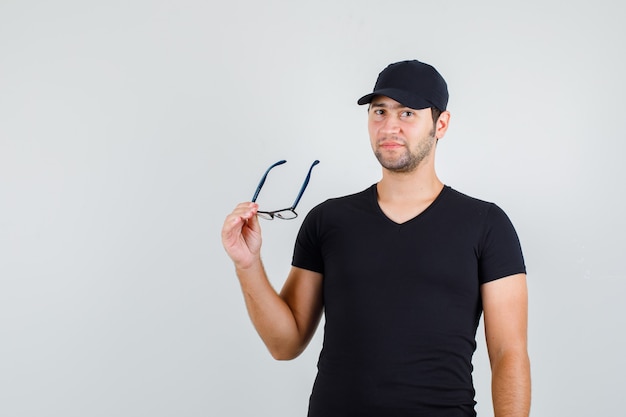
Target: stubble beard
pixel 410 159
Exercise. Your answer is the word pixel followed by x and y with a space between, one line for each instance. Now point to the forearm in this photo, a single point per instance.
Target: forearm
pixel 270 314
pixel 511 389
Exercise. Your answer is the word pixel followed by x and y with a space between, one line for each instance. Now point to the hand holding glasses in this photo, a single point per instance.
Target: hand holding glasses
pixel 286 213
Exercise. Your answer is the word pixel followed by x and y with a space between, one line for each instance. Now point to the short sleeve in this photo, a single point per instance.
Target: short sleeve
pixel 500 254
pixel 307 250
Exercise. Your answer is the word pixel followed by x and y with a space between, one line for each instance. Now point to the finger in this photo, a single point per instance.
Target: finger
pixel 249 210
pixel 243 211
pixel 236 220
pixel 253 222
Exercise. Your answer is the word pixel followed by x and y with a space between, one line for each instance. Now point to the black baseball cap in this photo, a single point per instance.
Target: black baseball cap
pixel 412 83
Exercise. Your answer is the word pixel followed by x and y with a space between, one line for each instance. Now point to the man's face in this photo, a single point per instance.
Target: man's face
pixel 401 137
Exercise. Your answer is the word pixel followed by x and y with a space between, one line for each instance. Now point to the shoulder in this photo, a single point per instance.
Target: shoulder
pixel 453 196
pixel 346 202
pixel 342 212
pixel 467 204
pixel 462 206
pixel 483 218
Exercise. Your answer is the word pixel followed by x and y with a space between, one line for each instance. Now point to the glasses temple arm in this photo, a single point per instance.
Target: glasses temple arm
pixel 304 185
pixel 258 187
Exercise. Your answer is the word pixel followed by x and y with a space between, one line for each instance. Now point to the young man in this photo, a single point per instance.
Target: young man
pixel 402 271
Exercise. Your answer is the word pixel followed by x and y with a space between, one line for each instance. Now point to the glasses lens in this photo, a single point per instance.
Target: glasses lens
pixel 265 215
pixel 286 214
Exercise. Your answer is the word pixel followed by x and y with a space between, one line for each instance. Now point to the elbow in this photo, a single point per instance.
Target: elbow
pixel 284 353
pixel 282 358
pixel 512 356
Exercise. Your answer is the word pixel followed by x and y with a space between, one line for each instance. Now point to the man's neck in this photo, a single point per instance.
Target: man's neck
pixel 420 184
pixel 403 196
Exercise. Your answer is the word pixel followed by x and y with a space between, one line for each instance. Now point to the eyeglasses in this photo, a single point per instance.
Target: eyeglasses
pixel 286 213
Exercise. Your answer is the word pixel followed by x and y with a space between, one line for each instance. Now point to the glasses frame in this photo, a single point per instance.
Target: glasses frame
pixel 288 213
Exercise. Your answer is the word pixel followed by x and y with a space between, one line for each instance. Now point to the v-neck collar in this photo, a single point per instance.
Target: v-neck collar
pixel 374 196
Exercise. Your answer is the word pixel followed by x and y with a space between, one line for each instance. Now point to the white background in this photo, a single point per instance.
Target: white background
pixel 129 129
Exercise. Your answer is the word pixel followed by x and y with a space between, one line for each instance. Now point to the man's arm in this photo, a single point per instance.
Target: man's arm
pixel 505 305
pixel 287 321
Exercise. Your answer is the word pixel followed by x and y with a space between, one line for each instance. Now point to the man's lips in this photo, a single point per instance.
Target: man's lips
pixel 390 145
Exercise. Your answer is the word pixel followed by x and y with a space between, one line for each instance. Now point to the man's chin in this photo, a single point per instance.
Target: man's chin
pixel 396 166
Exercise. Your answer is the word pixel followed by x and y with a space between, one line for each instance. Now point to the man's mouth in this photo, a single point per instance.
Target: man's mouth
pixel 390 144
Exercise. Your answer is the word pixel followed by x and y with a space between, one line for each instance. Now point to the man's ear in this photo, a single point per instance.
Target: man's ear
pixel 441 126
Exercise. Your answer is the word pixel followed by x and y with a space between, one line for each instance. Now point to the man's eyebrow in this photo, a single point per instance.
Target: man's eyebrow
pixel 379 105
pixel 385 105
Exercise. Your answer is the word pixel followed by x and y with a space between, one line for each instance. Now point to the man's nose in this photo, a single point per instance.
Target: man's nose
pixel 391 125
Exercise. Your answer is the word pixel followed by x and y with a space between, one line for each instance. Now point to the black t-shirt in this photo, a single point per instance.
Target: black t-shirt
pixel 402 301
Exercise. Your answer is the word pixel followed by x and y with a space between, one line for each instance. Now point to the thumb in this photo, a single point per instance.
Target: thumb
pixel 253 221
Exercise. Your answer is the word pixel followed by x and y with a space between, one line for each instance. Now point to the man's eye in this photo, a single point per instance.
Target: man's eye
pixel 378 112
pixel 407 113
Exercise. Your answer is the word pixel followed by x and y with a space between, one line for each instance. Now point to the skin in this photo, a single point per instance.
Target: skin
pixel 385 138
pixel 404 141
pixel 286 321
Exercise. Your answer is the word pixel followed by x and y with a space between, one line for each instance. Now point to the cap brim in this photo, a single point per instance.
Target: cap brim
pixel 403 97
